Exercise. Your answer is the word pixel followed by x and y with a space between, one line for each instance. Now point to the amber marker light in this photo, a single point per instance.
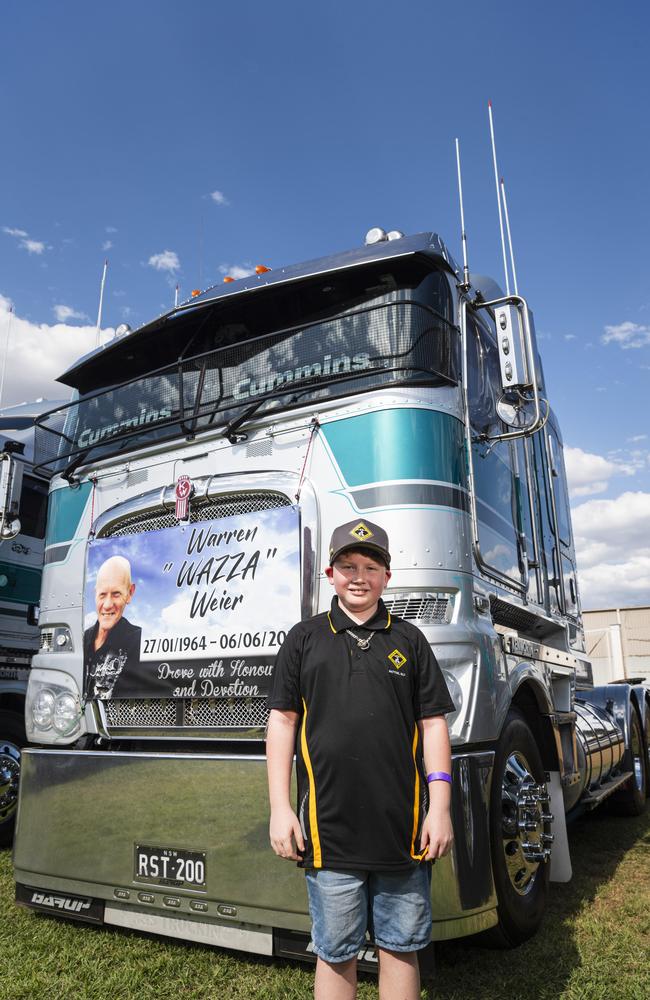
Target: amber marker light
pixel 260 269
pixel 228 279
pixel 195 292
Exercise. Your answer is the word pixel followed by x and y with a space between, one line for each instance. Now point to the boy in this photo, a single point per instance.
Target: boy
pixel 365 698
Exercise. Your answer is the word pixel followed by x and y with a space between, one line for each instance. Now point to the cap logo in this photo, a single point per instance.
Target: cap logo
pixel 361 532
pixel 397 659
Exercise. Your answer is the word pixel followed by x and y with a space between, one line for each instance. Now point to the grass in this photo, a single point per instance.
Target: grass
pixel 595 944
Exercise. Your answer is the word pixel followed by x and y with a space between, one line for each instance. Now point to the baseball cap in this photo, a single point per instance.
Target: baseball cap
pixel 359 535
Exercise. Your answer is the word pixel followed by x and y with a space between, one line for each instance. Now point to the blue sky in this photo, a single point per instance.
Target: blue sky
pixel 313 124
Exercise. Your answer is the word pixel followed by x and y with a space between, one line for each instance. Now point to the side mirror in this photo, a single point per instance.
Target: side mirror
pixel 516 410
pixel 11 484
pixel 521 373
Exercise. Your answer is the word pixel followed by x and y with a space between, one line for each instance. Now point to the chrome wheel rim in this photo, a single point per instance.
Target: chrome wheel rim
pixel 525 823
pixel 9 779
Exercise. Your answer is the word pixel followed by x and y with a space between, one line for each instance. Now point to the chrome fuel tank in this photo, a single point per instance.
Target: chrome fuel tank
pixel 600 746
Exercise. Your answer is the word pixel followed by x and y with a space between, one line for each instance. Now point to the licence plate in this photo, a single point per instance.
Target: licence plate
pixel 169 866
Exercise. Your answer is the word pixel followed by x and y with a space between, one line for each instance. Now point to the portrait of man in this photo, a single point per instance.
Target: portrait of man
pixel 112 643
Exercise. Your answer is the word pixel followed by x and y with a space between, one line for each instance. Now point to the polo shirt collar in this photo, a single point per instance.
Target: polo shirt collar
pixel 339 621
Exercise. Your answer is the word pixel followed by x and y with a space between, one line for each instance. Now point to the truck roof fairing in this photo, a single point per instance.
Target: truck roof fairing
pixel 427 244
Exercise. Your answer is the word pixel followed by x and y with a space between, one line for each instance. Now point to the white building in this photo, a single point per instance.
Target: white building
pixel 618 643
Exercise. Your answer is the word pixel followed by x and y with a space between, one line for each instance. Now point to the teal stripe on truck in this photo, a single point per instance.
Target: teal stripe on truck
pixel 399 443
pixel 64 512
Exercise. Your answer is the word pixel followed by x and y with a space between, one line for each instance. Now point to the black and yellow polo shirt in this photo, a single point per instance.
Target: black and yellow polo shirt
pixel 362 792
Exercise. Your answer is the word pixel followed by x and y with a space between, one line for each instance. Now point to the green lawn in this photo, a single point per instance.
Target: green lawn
pixel 595 944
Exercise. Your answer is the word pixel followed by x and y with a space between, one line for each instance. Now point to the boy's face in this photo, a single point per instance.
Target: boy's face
pixel 359 580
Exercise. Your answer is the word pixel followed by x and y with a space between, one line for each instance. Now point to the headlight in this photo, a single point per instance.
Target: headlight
pixel 55 639
pixel 459 680
pixel 43 709
pixel 66 714
pixel 54 711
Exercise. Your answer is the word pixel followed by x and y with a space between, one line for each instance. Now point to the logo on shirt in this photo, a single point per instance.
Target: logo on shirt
pixel 361 532
pixel 397 659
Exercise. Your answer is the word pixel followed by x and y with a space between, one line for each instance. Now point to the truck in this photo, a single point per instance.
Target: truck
pixel 22 540
pixel 205 459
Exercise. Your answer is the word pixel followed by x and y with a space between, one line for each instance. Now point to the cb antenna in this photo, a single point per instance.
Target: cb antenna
pixel 496 181
pixel 463 235
pixel 101 303
pixel 512 255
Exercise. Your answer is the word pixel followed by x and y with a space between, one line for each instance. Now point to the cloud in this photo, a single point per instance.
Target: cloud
pixel 24 241
pixel 638 437
pixel 613 550
pixel 33 246
pixel 165 261
pixel 107 245
pixel 588 473
pixel 111 229
pixel 64 313
pixel 237 270
pixel 219 198
pixel 627 335
pixel 38 353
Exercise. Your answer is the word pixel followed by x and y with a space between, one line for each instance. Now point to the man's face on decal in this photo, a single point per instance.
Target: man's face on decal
pixel 359 580
pixel 113 591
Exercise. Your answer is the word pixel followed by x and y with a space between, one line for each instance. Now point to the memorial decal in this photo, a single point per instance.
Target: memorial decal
pixel 194 611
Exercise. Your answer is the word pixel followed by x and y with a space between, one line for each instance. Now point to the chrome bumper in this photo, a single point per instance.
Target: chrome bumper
pixel 81 813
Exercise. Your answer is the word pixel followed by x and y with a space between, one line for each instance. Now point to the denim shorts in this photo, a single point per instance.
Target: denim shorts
pixel 395 909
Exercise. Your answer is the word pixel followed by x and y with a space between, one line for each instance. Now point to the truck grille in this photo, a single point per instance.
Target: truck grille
pixel 140 713
pixel 423 609
pixel 16 656
pixel 46 640
pixel 196 713
pixel 224 505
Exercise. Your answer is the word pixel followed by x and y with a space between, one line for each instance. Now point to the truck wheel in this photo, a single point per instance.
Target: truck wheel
pixel 520 835
pixel 630 800
pixel 12 738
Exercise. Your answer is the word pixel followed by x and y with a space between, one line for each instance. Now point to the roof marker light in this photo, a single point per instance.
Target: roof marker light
pixel 375 235
pixel 195 292
pixel 228 279
pixel 260 269
pixel 395 234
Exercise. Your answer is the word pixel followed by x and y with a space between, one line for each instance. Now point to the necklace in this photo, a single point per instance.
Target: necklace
pixel 361 643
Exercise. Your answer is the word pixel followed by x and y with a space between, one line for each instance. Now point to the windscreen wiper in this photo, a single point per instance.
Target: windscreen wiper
pixel 231 428
pixel 74 465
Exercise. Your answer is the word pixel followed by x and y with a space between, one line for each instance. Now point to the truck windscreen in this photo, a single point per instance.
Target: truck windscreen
pixel 386 327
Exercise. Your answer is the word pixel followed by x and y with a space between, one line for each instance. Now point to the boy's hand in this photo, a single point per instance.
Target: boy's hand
pixel 285 834
pixel 437 834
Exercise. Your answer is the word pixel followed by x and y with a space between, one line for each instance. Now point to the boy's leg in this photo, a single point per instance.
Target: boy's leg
pixel 400 912
pixel 335 982
pixel 399 975
pixel 338 904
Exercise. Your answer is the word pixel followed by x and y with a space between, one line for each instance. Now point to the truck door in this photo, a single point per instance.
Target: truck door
pixel 562 524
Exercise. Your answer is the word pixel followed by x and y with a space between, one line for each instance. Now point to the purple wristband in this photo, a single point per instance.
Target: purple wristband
pixel 439 776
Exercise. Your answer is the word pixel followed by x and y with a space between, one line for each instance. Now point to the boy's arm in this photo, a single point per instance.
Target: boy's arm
pixel 437 832
pixel 284 828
